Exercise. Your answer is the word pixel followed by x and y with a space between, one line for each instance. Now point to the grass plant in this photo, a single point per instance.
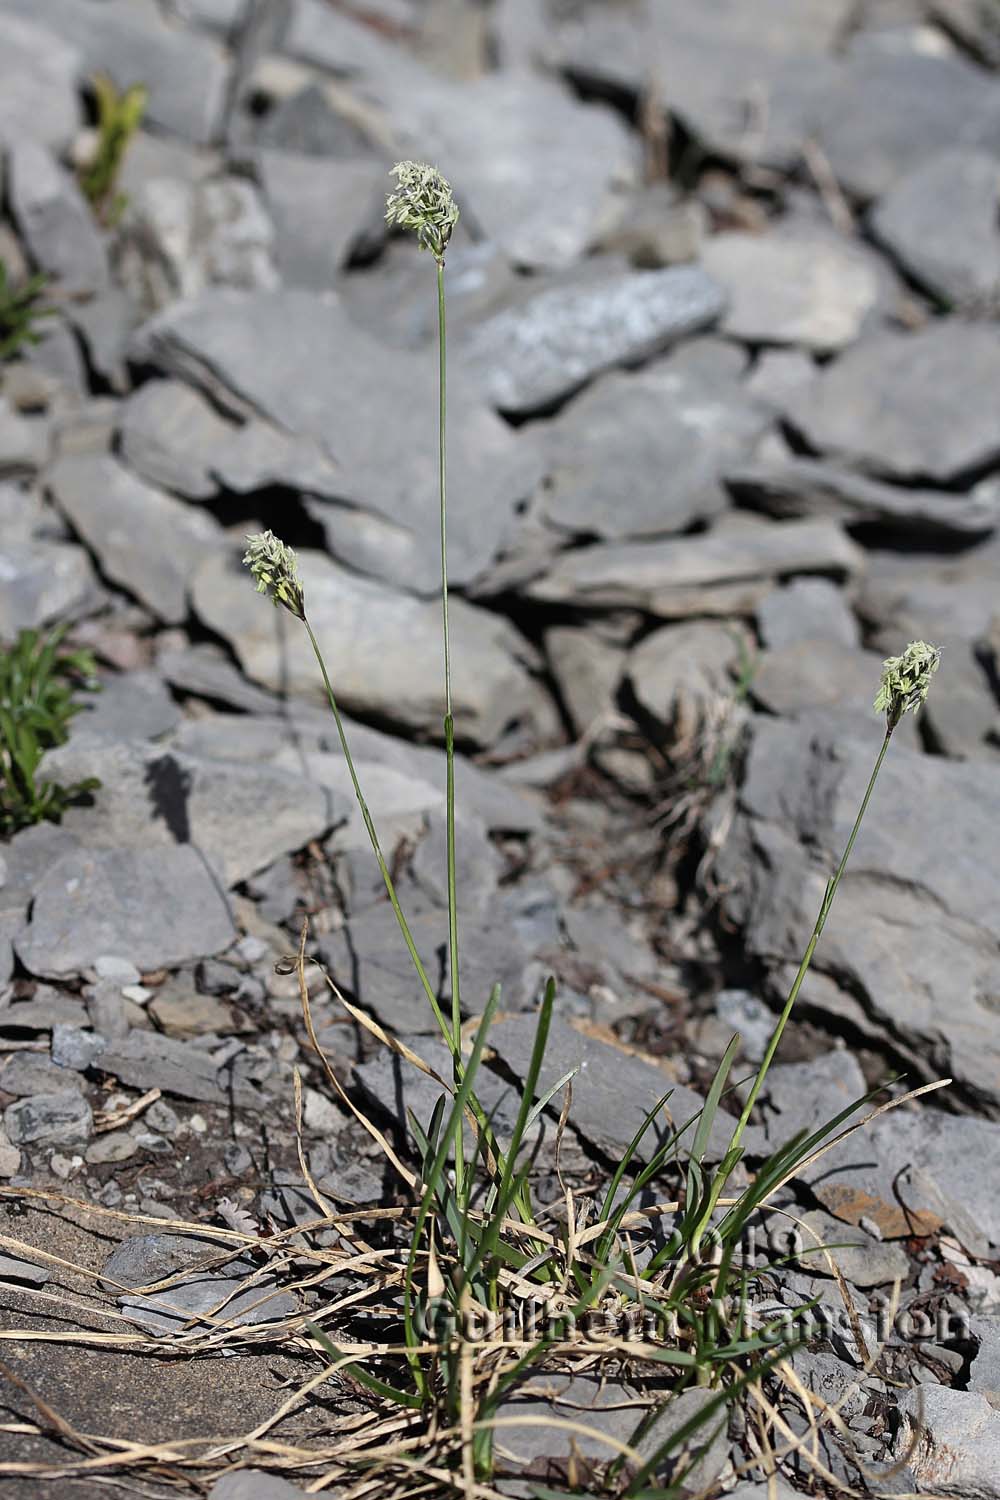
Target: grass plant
pixel 475 1240
pixel 21 309
pixel 119 116
pixel 659 1294
pixel 37 686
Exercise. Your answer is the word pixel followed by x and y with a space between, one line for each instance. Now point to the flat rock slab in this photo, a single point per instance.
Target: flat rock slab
pixel 171 435
pixel 807 609
pixel 613 1090
pixel 728 570
pixel 656 441
pixel 297 359
pixel 253 1484
pixel 62 1118
pixel 909 406
pixel 55 220
pixel 797 285
pixel 43 581
pixel 703 60
pixel 914 929
pixel 146 1060
pixel 130 705
pixel 886 111
pixel 160 907
pixel 531 356
pixel 369 959
pixel 186 74
pixel 212 1301
pixel 40 99
pixel 482 132
pixel 940 223
pixel 153 796
pixel 12 1268
pixel 955 1438
pixel 808 487
pixel 321 208
pixel 382 648
pixel 146 540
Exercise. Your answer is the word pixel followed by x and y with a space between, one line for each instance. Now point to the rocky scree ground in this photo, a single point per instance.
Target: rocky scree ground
pixel 723 434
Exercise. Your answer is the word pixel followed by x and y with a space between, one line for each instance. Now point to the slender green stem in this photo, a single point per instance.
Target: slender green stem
pixel 449 726
pixel 824 911
pixel 404 926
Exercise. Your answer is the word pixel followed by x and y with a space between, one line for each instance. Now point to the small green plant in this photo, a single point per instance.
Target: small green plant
pixel 36 704
pixel 475 1244
pixel 20 312
pixel 118 118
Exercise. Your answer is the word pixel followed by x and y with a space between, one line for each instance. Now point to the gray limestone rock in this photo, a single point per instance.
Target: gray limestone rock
pixel 640 455
pixel 254 1484
pixel 711 65
pixel 613 1089
pixel 296 358
pixel 186 74
pixel 74 1048
pixel 210 1301
pixel 43 581
pixel 913 933
pixel 534 355
pixel 678 672
pixel 799 285
pixel 206 671
pixel 728 570
pixel 55 220
pixel 321 209
pixel 888 111
pixel 369 959
pixel 807 609
pixel 169 434
pixel 910 406
pixel 239 815
pixel 186 235
pixel 24 441
pixel 484 130
pixel 587 671
pixel 789 486
pixel 955 1438
pixel 383 648
pixel 24 1073
pixel 62 1118
pixel 39 100
pixel 13 1268
pixel 131 706
pixel 940 223
pixel 984 1372
pixel 146 541
pixel 815 674
pixel 146 1060
pixel 862 1259
pixel 161 906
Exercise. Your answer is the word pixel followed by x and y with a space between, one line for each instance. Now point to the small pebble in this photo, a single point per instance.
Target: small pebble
pixel 117 1145
pixel 198 1124
pixel 160 1117
pixel 251 949
pixel 121 970
pixel 237 1159
pixel 73 1047
pixel 64 1166
pixel 137 993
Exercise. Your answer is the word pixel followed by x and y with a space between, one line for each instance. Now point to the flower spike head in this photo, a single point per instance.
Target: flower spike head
pixel 906 680
pixel 274 569
pixel 422 202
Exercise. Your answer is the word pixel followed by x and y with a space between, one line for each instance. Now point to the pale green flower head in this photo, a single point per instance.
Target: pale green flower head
pixel 906 680
pixel 422 202
pixel 275 571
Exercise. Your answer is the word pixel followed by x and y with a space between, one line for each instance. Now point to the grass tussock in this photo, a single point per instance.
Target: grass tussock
pixel 652 1295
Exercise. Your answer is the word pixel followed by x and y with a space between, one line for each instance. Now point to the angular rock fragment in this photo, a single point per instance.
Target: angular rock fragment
pixel 728 570
pixel 160 906
pixel 145 540
pixel 940 221
pixel 534 355
pixel 909 406
pixel 381 648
